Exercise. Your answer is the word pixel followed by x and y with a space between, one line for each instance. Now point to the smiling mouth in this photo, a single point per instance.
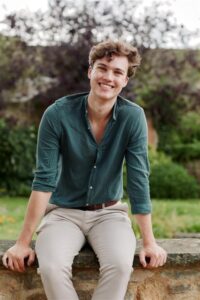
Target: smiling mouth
pixel 106 85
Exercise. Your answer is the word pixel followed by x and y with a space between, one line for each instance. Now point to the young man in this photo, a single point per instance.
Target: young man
pixel 82 142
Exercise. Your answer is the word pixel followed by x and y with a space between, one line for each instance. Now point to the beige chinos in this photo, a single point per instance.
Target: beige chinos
pixel 64 231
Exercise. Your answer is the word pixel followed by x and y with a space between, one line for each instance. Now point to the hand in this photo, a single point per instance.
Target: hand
pixel 152 256
pixel 14 257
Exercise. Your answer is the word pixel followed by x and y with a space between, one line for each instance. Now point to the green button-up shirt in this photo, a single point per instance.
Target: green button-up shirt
pixel 79 171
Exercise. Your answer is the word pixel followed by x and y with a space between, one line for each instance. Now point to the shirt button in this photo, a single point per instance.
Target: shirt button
pixel 91 187
pixel 95 167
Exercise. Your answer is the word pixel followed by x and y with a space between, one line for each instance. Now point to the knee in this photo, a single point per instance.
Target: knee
pixel 123 268
pixel 50 269
pixel 120 268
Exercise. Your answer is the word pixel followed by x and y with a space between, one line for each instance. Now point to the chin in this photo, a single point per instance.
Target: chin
pixel 106 96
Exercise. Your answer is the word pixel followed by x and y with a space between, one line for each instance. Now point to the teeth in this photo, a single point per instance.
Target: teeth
pixel 103 84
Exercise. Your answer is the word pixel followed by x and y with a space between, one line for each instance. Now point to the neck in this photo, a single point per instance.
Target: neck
pixel 99 109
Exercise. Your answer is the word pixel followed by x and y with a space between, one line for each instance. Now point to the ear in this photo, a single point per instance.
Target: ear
pixel 126 81
pixel 89 72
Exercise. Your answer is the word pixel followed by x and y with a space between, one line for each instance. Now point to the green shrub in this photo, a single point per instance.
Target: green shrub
pixel 157 157
pixel 17 156
pixel 182 143
pixel 184 152
pixel 168 137
pixel 189 128
pixel 170 180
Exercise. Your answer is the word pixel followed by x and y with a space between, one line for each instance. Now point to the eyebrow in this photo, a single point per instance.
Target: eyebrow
pixel 116 69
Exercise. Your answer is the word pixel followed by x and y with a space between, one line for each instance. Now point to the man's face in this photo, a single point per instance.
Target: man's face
pixel 108 76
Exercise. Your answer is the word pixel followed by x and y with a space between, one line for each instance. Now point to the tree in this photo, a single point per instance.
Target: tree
pixel 67 30
pixel 168 85
pixel 67 21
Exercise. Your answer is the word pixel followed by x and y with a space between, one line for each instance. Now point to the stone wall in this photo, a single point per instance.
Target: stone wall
pixel 179 279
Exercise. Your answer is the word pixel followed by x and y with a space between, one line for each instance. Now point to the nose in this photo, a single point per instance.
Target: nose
pixel 108 75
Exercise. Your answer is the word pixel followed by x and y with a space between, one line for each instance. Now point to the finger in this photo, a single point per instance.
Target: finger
pixel 17 267
pixel 21 265
pixel 142 259
pixel 5 260
pixel 160 262
pixel 10 264
pixel 161 259
pixel 164 258
pixel 153 262
pixel 31 258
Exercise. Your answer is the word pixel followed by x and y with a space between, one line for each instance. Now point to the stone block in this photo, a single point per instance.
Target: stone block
pixel 179 288
pixel 177 280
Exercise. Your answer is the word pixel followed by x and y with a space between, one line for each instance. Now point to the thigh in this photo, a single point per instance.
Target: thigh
pixel 58 240
pixel 113 239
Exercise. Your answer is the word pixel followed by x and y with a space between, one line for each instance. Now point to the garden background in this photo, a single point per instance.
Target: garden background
pixel 44 56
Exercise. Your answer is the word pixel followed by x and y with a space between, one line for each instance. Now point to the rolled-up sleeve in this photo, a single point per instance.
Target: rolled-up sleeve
pixel 137 165
pixel 48 151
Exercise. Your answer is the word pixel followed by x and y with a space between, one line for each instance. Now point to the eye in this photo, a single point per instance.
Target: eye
pixel 101 68
pixel 118 73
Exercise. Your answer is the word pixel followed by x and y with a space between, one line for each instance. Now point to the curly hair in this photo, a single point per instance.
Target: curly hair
pixel 109 48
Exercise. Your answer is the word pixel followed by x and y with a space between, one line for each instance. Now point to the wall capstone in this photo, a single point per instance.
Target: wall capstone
pixel 179 279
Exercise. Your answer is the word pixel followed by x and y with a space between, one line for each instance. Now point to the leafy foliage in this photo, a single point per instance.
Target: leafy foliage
pixel 189 128
pixel 166 85
pixel 182 143
pixel 66 21
pixel 17 61
pixel 184 152
pixel 66 31
pixel 17 156
pixel 170 180
pixel 167 179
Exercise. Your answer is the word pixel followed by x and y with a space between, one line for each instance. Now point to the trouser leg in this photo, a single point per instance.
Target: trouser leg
pixel 114 244
pixel 57 244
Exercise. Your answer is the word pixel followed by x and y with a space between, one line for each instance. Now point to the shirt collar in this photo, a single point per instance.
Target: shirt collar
pixel 114 111
pixel 114 115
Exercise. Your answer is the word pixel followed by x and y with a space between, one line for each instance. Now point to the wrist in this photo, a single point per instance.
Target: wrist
pixel 24 241
pixel 149 242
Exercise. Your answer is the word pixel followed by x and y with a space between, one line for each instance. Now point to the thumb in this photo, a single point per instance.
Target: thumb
pixel 31 258
pixel 142 258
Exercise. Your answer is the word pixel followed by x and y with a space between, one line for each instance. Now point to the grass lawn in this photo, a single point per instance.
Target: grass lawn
pixel 169 217
pixel 11 216
pixel 174 216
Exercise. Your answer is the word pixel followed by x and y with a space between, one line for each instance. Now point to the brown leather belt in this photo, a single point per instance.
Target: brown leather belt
pixel 97 206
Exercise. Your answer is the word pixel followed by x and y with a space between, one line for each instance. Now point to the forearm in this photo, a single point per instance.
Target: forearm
pixel 35 210
pixel 145 225
pixel 156 255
